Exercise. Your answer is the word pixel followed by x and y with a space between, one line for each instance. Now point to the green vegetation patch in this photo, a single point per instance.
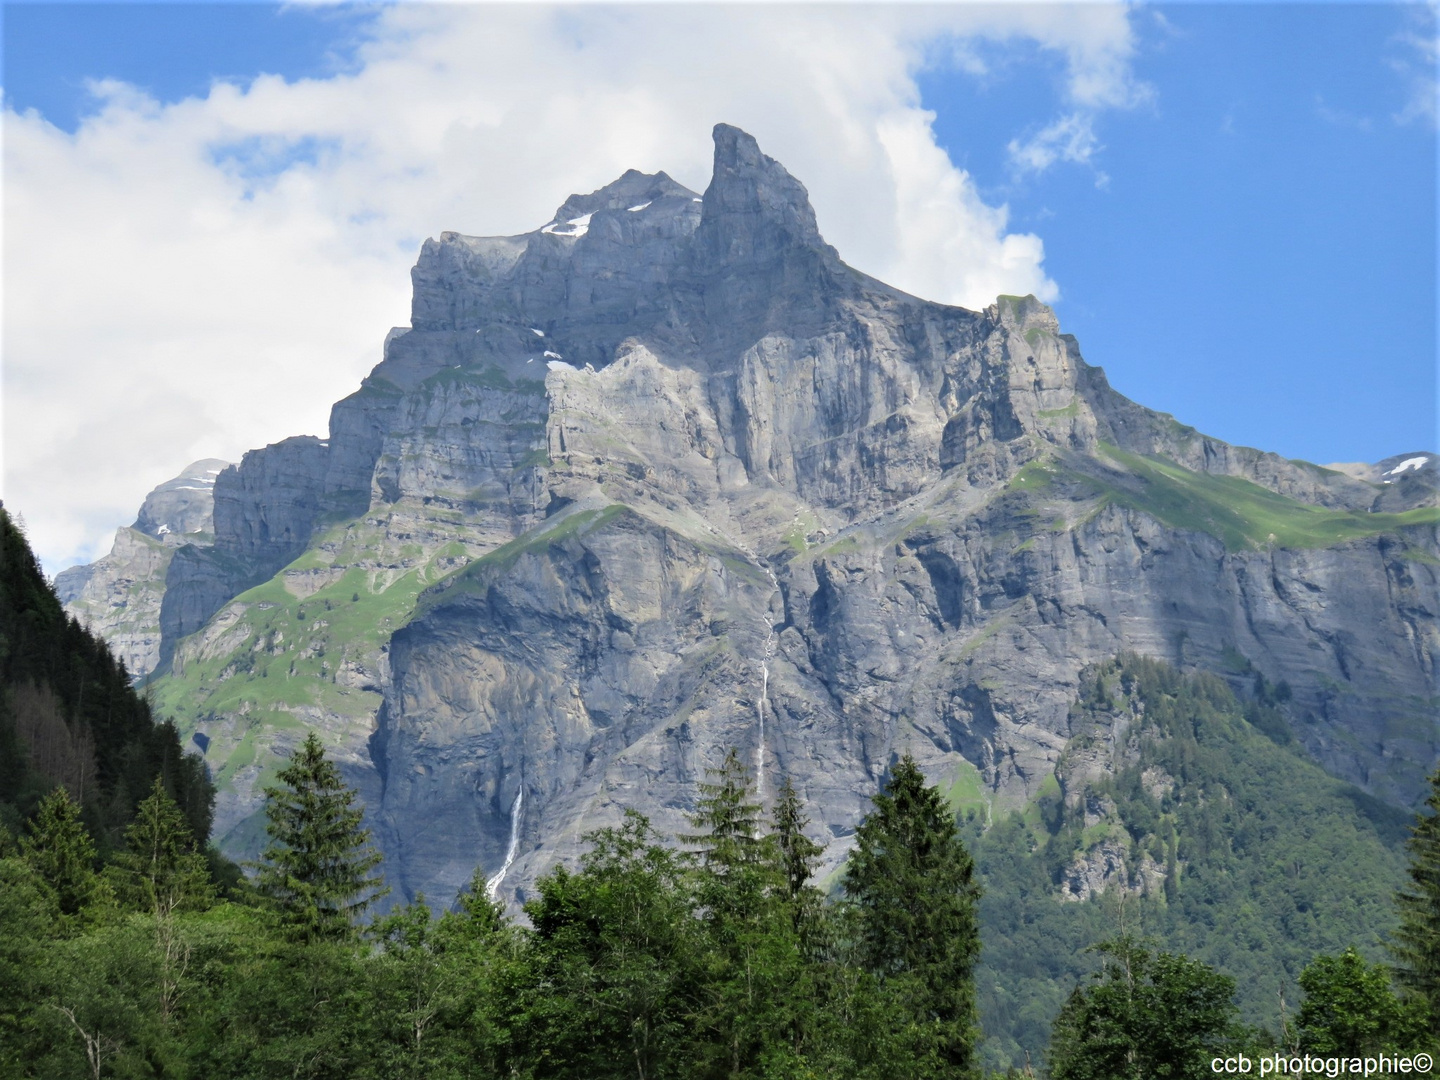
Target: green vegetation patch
pixel 1240 514
pixel 967 794
pixel 1069 412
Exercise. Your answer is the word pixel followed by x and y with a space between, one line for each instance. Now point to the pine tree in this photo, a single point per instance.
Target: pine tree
pixel 317 868
pixel 911 893
pixel 798 853
pixel 161 870
pixel 731 822
pixel 1416 947
pixel 62 853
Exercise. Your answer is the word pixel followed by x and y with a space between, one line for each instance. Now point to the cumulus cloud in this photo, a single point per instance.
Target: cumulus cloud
pixel 195 278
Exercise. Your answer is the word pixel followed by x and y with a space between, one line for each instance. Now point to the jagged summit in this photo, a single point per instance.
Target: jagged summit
pixel 754 209
pixel 633 192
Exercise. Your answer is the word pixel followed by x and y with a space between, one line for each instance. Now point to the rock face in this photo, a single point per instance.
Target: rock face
pixel 665 476
pixel 119 596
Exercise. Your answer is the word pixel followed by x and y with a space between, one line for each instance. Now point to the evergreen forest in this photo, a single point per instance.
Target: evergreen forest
pixel 1190 888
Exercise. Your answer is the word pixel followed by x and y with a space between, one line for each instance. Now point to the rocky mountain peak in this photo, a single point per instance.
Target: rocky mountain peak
pixel 631 192
pixel 663 476
pixel 754 210
pixel 1021 313
pixel 184 504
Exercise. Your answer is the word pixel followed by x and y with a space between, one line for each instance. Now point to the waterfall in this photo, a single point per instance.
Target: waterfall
pixel 493 885
pixel 764 691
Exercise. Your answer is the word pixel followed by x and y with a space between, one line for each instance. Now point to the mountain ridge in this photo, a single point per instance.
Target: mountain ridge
pixel 638 477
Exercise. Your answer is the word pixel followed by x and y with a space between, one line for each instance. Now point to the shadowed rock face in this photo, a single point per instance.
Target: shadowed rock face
pixel 666 458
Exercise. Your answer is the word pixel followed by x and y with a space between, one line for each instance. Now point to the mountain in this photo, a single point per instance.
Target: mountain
pixel 119 596
pixel 666 476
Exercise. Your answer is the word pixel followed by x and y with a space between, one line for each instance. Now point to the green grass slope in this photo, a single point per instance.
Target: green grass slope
pixel 1239 513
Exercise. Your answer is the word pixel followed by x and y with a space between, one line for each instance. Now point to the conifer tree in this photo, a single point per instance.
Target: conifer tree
pixel 798 853
pixel 317 868
pixel 62 853
pixel 910 887
pixel 729 820
pixel 1416 947
pixel 161 870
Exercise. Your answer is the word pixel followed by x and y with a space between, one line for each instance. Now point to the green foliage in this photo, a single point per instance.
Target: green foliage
pixel 910 888
pixel 61 852
pixel 1350 1009
pixel 1416 945
pixel 616 954
pixel 160 870
pixel 724 960
pixel 68 714
pixel 1237 851
pixel 316 870
pixel 1144 1016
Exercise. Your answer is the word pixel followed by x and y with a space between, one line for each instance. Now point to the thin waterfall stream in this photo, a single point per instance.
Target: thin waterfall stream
pixel 493 885
pixel 765 689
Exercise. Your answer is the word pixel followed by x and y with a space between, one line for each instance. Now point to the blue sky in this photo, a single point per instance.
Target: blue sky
pixel 1259 256
pixel 1240 224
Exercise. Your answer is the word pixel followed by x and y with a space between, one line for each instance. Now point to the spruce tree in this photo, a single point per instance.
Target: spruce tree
pixel 1416 947
pixel 161 870
pixel 729 820
pixel 62 853
pixel 317 868
pixel 911 892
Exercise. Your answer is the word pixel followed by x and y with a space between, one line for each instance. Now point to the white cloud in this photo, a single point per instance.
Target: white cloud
pixel 1417 66
pixel 1071 138
pixel 197 278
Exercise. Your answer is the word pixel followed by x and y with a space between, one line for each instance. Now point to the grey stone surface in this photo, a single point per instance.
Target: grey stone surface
pixel 119 596
pixel 666 468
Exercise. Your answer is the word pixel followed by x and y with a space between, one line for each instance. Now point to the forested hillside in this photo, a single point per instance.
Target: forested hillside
pixel 710 956
pixel 1189 816
pixel 69 716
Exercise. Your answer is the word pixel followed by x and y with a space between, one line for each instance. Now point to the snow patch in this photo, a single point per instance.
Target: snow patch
pixel 642 206
pixel 560 365
pixel 697 200
pixel 537 333
pixel 1408 463
pixel 578 226
pixel 556 355
pixel 163 529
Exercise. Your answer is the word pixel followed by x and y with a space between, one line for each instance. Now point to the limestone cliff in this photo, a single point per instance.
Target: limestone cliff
pixel 119 596
pixel 666 476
